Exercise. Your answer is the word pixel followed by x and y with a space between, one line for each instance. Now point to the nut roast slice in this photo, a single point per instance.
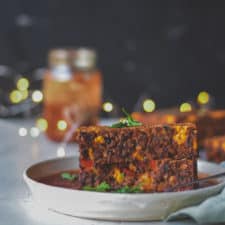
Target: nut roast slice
pixel 152 158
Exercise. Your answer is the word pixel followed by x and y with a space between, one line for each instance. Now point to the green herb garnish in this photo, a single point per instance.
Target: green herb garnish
pixel 126 122
pixel 68 176
pixel 102 187
pixel 127 189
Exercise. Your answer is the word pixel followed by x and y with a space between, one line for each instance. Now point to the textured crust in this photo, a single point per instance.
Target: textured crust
pixel 104 145
pixel 209 124
pixel 215 148
pixel 156 176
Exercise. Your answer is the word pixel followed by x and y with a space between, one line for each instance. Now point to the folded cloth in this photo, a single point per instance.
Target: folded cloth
pixel 212 210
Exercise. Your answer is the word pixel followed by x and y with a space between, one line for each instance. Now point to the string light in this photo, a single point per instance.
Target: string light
pixel 185 107
pixel 37 96
pixel 34 132
pixel 149 105
pixel 61 152
pixel 22 131
pixel 42 124
pixel 203 97
pixel 61 125
pixel 107 107
pixel 15 96
pixel 22 84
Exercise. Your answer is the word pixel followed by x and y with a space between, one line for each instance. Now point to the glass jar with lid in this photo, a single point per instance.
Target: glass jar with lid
pixel 72 91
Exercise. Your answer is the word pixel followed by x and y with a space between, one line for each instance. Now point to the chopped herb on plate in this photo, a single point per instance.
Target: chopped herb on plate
pixel 68 176
pixel 127 189
pixel 102 187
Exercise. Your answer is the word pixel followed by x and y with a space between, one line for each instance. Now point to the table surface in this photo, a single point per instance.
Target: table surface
pixel 18 153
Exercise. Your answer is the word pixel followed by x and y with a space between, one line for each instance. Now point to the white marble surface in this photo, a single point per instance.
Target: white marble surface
pixel 17 153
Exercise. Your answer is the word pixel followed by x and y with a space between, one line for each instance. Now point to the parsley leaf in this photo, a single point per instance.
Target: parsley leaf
pixel 89 188
pixel 126 122
pixel 102 187
pixel 127 189
pixel 68 176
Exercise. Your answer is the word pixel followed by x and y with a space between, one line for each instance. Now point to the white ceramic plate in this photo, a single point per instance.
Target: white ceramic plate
pixel 112 206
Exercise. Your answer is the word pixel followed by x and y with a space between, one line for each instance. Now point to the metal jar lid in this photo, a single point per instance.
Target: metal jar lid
pixel 85 58
pixel 58 57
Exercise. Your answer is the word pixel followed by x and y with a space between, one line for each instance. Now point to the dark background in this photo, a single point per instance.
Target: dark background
pixel 166 50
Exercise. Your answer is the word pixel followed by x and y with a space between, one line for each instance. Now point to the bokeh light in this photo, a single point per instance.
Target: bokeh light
pixel 149 105
pixel 62 125
pixel 15 96
pixel 37 96
pixel 22 131
pixel 107 107
pixel 61 152
pixel 203 97
pixel 185 107
pixel 34 132
pixel 42 124
pixel 22 84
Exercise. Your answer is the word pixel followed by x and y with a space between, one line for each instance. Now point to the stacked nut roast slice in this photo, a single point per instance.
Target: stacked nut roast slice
pixel 215 148
pixel 147 158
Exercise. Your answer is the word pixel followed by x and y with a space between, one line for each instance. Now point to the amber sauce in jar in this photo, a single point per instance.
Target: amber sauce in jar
pixel 72 91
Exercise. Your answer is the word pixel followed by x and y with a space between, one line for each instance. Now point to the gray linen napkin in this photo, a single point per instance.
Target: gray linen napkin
pixel 212 210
